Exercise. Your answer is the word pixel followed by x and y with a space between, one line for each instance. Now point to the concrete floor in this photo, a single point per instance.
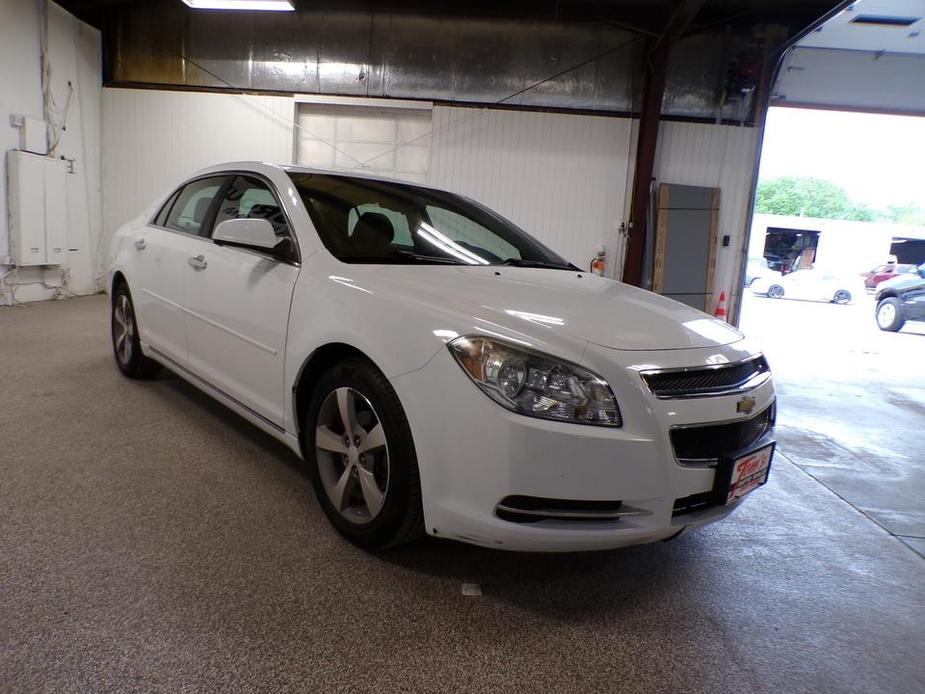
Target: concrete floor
pixel 852 403
pixel 150 540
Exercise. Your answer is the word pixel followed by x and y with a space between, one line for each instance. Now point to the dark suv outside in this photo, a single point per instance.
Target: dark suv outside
pixel 900 300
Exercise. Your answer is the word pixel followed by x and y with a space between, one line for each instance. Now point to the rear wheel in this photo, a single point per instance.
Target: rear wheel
pixel 889 315
pixel 361 457
pixel 126 344
pixel 775 291
pixel 842 296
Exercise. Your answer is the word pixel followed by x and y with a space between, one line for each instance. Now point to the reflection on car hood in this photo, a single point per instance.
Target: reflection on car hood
pixel 532 302
pixel 901 282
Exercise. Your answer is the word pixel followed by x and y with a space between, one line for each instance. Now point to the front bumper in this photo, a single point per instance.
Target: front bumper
pixel 473 454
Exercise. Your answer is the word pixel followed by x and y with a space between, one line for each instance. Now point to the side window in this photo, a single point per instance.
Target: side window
pixel 470 234
pixel 189 211
pixel 161 218
pixel 250 198
pixel 399 221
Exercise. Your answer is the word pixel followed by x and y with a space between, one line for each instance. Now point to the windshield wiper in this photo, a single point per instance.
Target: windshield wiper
pixel 521 262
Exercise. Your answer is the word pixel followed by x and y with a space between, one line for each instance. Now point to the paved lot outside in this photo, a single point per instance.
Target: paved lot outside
pixel 852 403
pixel 152 541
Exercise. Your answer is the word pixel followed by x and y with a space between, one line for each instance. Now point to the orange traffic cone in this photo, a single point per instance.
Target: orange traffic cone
pixel 721 306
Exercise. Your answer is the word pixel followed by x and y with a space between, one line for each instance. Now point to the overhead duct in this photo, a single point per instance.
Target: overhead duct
pixel 462 60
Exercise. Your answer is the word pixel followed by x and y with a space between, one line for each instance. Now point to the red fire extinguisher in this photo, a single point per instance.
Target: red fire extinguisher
pixel 599 261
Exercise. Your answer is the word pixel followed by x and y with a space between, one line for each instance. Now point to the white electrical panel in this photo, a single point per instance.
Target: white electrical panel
pixel 34 135
pixel 38 218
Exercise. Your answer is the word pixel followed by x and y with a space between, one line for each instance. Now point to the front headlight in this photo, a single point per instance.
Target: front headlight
pixel 536 384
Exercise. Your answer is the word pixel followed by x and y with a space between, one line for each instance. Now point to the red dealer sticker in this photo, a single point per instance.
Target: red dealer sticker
pixel 749 472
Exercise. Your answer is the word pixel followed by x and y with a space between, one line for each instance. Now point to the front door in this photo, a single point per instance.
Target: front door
pixel 914 300
pixel 237 307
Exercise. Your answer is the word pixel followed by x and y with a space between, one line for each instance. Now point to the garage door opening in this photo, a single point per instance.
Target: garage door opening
pixel 835 283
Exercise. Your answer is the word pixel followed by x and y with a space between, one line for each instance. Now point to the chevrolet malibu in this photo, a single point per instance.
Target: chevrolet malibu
pixel 439 370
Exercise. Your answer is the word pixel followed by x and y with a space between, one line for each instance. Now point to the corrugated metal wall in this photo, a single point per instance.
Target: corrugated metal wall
pixel 720 156
pixel 560 177
pixel 152 139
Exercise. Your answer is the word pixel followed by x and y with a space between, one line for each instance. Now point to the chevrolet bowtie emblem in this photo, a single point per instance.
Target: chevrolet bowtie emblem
pixel 746 405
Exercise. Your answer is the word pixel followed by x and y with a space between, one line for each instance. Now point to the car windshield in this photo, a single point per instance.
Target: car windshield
pixel 367 221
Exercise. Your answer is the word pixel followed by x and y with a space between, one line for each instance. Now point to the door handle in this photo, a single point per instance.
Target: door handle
pixel 140 244
pixel 198 262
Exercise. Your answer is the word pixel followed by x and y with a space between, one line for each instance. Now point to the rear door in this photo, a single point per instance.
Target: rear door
pixel 174 235
pixel 238 304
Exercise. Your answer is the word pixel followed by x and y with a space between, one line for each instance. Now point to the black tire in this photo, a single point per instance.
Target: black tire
pixel 890 320
pixel 842 296
pixel 401 517
pixel 126 345
pixel 775 291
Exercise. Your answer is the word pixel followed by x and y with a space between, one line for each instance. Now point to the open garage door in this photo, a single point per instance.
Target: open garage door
pixel 870 57
pixel 834 258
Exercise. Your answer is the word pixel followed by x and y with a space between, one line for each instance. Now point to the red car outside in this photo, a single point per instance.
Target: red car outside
pixel 881 273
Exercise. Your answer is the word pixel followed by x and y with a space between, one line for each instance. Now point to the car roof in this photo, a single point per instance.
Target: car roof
pixel 268 168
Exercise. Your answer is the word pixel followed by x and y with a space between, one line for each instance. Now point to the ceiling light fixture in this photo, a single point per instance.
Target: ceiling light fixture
pixel 265 5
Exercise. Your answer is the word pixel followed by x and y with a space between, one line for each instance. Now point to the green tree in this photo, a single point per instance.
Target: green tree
pixel 906 214
pixel 804 196
pixel 862 213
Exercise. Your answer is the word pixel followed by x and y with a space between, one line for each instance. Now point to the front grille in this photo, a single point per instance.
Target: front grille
pixel 714 380
pixel 707 443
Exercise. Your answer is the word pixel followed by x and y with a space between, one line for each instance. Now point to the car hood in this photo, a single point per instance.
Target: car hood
pixel 901 282
pixel 535 302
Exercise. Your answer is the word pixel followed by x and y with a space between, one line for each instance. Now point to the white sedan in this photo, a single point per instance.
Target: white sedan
pixel 438 369
pixel 811 285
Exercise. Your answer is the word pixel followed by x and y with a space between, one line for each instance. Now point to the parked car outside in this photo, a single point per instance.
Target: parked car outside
pixel 758 267
pixel 438 369
pixel 882 273
pixel 810 285
pixel 903 280
pixel 901 299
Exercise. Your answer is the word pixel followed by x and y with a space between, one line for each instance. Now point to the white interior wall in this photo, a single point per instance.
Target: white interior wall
pixel 156 138
pixel 74 55
pixel 20 75
pixel 722 156
pixel 561 177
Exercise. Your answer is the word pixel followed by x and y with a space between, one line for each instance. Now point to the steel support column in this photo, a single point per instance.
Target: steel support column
pixel 656 67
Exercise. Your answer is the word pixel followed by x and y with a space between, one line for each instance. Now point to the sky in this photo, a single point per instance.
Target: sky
pixel 879 160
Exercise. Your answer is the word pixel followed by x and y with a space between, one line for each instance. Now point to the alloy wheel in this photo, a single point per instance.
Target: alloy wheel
pixel 886 314
pixel 123 333
pixel 352 455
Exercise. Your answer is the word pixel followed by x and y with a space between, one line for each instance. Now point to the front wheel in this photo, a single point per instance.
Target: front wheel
pixel 842 296
pixel 775 291
pixel 889 315
pixel 126 344
pixel 361 457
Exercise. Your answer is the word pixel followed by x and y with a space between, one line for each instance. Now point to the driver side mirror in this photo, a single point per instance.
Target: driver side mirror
pixel 256 234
